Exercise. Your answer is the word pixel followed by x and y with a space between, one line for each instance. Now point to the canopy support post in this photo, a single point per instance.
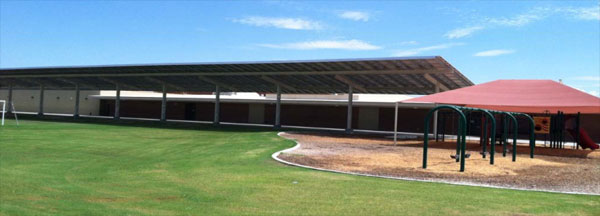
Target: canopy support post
pixel 278 108
pixel 10 102
pixel 349 117
pixel 118 103
pixel 217 104
pixel 41 108
pixel 396 124
pixel 163 105
pixel 76 111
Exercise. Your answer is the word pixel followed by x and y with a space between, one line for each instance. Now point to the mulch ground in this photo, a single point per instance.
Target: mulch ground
pixel 566 170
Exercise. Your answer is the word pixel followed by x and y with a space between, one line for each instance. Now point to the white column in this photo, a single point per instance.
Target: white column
pixel 217 105
pixel 118 103
pixel 278 108
pixel 163 107
pixel 41 109
pixel 349 118
pixel 76 111
pixel 396 124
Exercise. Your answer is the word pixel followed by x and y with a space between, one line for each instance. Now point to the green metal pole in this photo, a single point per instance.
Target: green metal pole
pixel 515 133
pixel 504 135
pixel 485 138
pixel 426 130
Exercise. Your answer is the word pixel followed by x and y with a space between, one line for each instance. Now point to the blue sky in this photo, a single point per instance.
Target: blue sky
pixel 484 40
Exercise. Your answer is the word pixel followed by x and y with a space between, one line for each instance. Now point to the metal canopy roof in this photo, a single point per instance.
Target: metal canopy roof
pixel 418 75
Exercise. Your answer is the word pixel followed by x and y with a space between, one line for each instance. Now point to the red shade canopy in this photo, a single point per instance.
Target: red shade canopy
pixel 527 96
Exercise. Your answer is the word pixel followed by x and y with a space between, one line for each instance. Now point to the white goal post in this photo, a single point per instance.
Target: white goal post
pixel 5 108
pixel 3 102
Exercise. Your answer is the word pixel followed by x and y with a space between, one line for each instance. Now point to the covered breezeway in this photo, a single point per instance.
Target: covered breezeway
pixel 417 75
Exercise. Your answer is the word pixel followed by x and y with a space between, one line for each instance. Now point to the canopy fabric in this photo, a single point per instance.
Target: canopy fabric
pixel 526 96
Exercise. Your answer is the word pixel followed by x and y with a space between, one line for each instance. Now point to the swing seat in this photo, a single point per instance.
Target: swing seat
pixel 467 155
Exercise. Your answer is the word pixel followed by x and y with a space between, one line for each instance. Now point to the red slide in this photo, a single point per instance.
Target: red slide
pixel 585 140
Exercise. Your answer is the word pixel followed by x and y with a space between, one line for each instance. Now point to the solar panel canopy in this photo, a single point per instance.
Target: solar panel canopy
pixel 415 75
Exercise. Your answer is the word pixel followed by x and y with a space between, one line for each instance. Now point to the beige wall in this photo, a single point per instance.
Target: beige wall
pixel 55 101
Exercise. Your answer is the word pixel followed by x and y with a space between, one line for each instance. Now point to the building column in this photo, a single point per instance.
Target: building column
pixel 163 107
pixel 41 108
pixel 217 104
pixel 10 101
pixel 76 111
pixel 118 103
pixel 349 118
pixel 278 108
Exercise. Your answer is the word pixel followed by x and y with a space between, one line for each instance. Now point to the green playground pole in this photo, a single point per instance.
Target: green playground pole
pixel 461 131
pixel 515 133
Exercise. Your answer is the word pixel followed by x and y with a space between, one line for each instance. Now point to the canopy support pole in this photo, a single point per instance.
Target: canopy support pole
pixel 41 108
pixel 396 124
pixel 435 114
pixel 217 104
pixel 163 105
pixel 278 108
pixel 118 103
pixel 76 111
pixel 10 102
pixel 349 117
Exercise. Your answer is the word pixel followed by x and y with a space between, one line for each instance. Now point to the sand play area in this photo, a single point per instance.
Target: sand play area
pixel 563 170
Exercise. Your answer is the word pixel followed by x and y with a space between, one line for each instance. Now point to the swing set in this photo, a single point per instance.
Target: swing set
pixel 461 133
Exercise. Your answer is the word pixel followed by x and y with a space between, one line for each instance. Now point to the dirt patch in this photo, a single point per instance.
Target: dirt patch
pixel 574 171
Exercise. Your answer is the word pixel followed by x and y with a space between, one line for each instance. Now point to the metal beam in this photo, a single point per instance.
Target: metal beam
pixel 435 82
pixel 349 82
pixel 217 83
pixel 119 83
pixel 217 105
pixel 278 83
pixel 225 73
pixel 163 82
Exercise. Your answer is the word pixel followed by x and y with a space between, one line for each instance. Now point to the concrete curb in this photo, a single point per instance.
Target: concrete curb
pixel 275 156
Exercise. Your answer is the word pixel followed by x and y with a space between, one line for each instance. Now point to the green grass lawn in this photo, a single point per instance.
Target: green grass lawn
pixel 63 168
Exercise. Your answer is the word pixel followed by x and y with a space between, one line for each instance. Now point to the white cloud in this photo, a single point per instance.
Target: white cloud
pixel 412 52
pixel 462 32
pixel 495 52
pixel 325 44
pixel 355 15
pixel 586 78
pixel 531 16
pixel 584 13
pixel 409 43
pixel 280 22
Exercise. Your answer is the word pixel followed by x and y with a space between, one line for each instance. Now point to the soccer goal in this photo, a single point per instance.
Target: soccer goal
pixel 5 108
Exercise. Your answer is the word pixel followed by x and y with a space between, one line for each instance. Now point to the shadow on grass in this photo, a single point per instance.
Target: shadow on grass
pixel 170 124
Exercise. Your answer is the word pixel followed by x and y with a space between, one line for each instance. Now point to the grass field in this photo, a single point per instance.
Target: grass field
pixel 62 168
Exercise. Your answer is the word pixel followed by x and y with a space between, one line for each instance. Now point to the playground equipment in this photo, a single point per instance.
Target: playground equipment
pixel 460 155
pixel 561 123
